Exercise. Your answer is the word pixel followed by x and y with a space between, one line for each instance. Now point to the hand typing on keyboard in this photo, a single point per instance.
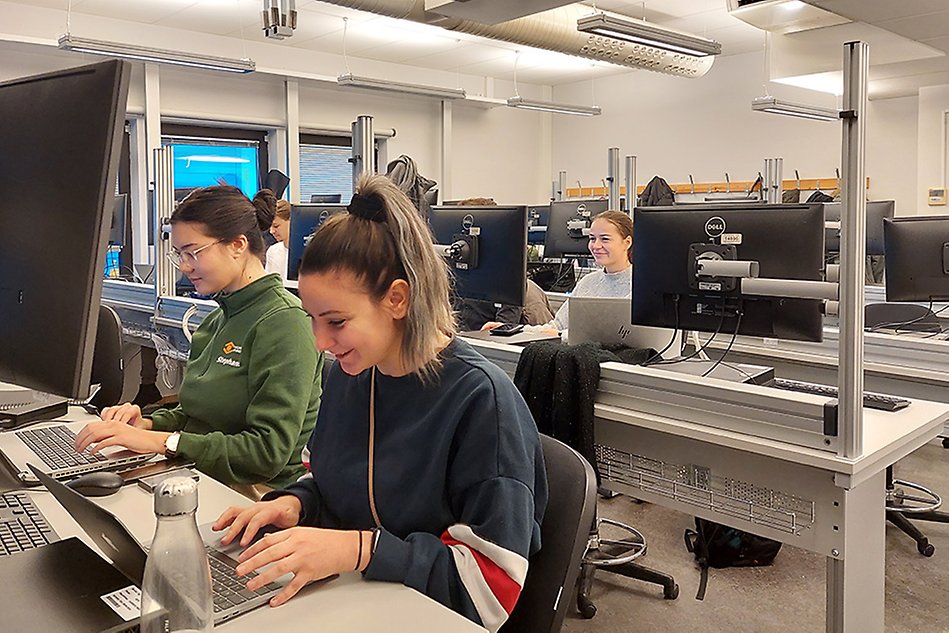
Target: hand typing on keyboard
pixel 306 552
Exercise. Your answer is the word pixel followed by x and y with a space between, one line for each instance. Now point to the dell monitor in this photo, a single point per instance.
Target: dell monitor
pixel 305 219
pixel 486 249
pixel 568 227
pixel 326 198
pixel 877 212
pixel 60 134
pixel 917 258
pixel 786 241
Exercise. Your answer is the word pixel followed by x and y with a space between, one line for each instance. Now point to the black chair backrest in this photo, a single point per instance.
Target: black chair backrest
pixel 552 573
pixel 107 365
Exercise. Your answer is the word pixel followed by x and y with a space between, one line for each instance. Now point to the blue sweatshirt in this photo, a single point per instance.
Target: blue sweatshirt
pixel 460 486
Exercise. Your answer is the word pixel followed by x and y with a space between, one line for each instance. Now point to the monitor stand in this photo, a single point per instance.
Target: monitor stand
pixel 735 372
pixel 20 406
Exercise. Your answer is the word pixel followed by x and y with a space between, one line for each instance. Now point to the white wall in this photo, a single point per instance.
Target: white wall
pixel 931 150
pixel 705 127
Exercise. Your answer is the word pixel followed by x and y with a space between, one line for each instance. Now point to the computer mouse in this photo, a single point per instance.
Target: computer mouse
pixel 99 484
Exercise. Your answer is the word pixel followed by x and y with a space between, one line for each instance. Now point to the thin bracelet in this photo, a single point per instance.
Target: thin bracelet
pixel 358 556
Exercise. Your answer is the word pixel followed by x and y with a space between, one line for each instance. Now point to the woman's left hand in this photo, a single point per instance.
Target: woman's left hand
pixel 306 552
pixel 111 433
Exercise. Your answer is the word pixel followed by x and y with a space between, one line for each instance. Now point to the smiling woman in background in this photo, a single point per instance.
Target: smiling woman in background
pixel 251 388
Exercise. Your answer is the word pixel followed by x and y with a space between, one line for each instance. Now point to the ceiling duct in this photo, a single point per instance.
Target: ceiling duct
pixel 553 30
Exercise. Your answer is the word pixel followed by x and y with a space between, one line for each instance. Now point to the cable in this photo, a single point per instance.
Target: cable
pixel 675 307
pixel 721 323
pixel 727 349
pixel 694 335
pixel 185 320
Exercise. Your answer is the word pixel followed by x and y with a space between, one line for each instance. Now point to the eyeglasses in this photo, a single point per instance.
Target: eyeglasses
pixel 177 258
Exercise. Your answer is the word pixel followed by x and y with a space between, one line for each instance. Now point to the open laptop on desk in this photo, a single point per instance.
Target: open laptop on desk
pixel 514 339
pixel 50 447
pixel 128 555
pixel 608 320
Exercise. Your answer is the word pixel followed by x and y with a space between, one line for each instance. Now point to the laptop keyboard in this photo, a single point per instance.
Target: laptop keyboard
pixel 229 589
pixel 55 446
pixel 22 525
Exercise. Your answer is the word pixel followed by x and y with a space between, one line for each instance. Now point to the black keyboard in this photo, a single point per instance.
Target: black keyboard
pixel 870 400
pixel 228 588
pixel 55 445
pixel 22 526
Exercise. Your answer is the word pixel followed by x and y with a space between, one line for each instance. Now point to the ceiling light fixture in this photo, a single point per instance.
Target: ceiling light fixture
pixel 557 108
pixel 141 53
pixel 789 108
pixel 352 81
pixel 642 32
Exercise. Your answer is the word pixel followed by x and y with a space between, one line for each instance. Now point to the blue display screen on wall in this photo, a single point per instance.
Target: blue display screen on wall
pixel 205 165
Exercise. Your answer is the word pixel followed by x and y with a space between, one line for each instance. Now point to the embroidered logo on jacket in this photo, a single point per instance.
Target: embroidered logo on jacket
pixel 230 362
pixel 231 348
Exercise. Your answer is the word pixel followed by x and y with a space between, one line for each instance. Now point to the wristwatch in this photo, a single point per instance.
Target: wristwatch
pixel 171 444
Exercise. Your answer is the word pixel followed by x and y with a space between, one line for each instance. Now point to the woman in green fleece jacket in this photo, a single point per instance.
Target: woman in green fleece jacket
pixel 251 388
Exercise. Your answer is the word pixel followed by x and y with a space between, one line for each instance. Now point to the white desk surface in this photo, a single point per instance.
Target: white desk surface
pixel 347 603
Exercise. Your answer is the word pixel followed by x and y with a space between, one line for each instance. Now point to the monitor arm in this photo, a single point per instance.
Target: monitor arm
pixel 751 284
pixel 462 252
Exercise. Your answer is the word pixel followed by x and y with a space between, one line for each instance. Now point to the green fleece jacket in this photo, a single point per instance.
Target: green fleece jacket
pixel 251 389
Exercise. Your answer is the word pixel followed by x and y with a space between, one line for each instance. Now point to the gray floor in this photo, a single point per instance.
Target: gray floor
pixel 787 596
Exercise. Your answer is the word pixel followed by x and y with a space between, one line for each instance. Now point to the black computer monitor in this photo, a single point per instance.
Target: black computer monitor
pixel 489 258
pixel 917 258
pixel 305 219
pixel 877 212
pixel 60 136
pixel 568 227
pixel 537 217
pixel 326 198
pixel 787 242
pixel 120 233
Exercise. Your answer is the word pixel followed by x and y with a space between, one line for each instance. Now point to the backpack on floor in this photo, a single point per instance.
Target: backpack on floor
pixel 717 545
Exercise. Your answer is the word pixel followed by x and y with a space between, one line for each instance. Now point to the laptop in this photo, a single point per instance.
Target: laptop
pixel 51 448
pixel 607 320
pixel 128 555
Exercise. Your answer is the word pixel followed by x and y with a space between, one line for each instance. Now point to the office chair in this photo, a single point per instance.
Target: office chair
pixel 571 487
pixel 108 369
pixel 901 505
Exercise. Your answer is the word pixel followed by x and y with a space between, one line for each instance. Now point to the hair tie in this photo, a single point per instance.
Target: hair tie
pixel 367 207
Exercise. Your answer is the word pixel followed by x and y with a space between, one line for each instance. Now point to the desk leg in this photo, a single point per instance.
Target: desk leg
pixel 855 582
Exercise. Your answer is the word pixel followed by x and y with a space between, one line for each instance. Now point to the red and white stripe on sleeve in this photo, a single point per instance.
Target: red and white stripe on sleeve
pixel 492 575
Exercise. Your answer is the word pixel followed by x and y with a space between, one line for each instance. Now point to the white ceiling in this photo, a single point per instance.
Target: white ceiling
pixel 320 28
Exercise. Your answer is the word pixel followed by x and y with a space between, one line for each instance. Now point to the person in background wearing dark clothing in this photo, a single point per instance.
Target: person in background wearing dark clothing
pixel 251 388
pixel 425 463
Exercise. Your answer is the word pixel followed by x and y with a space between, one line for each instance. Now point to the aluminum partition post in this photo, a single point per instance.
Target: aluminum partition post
pixel 777 178
pixel 612 177
pixel 165 274
pixel 766 180
pixel 562 185
pixel 364 155
pixel 630 184
pixel 852 249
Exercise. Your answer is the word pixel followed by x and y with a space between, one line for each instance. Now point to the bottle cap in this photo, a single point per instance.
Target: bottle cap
pixel 175 496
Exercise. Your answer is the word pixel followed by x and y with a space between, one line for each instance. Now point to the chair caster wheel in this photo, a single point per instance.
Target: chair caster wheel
pixel 671 594
pixel 926 548
pixel 587 609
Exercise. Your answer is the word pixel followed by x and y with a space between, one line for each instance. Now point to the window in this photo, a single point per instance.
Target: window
pixel 325 168
pixel 207 156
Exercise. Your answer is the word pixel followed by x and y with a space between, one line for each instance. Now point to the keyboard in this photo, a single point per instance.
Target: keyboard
pixel 228 588
pixel 22 526
pixel 55 446
pixel 870 400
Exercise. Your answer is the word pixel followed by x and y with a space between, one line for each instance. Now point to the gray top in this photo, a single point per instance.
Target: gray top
pixel 596 284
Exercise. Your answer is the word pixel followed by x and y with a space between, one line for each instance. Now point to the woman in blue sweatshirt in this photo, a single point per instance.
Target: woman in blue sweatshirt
pixel 425 464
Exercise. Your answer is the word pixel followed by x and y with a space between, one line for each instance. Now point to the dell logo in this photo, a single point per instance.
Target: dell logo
pixel 467 222
pixel 715 226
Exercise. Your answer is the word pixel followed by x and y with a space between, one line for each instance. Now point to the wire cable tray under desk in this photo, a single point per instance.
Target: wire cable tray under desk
pixel 695 485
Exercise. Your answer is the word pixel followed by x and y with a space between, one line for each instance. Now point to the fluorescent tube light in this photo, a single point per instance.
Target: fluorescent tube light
pixel 641 32
pixel 386 85
pixel 556 108
pixel 140 53
pixel 789 108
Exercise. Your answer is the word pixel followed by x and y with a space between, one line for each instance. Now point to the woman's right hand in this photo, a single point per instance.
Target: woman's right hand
pixel 282 512
pixel 127 413
pixel 490 325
